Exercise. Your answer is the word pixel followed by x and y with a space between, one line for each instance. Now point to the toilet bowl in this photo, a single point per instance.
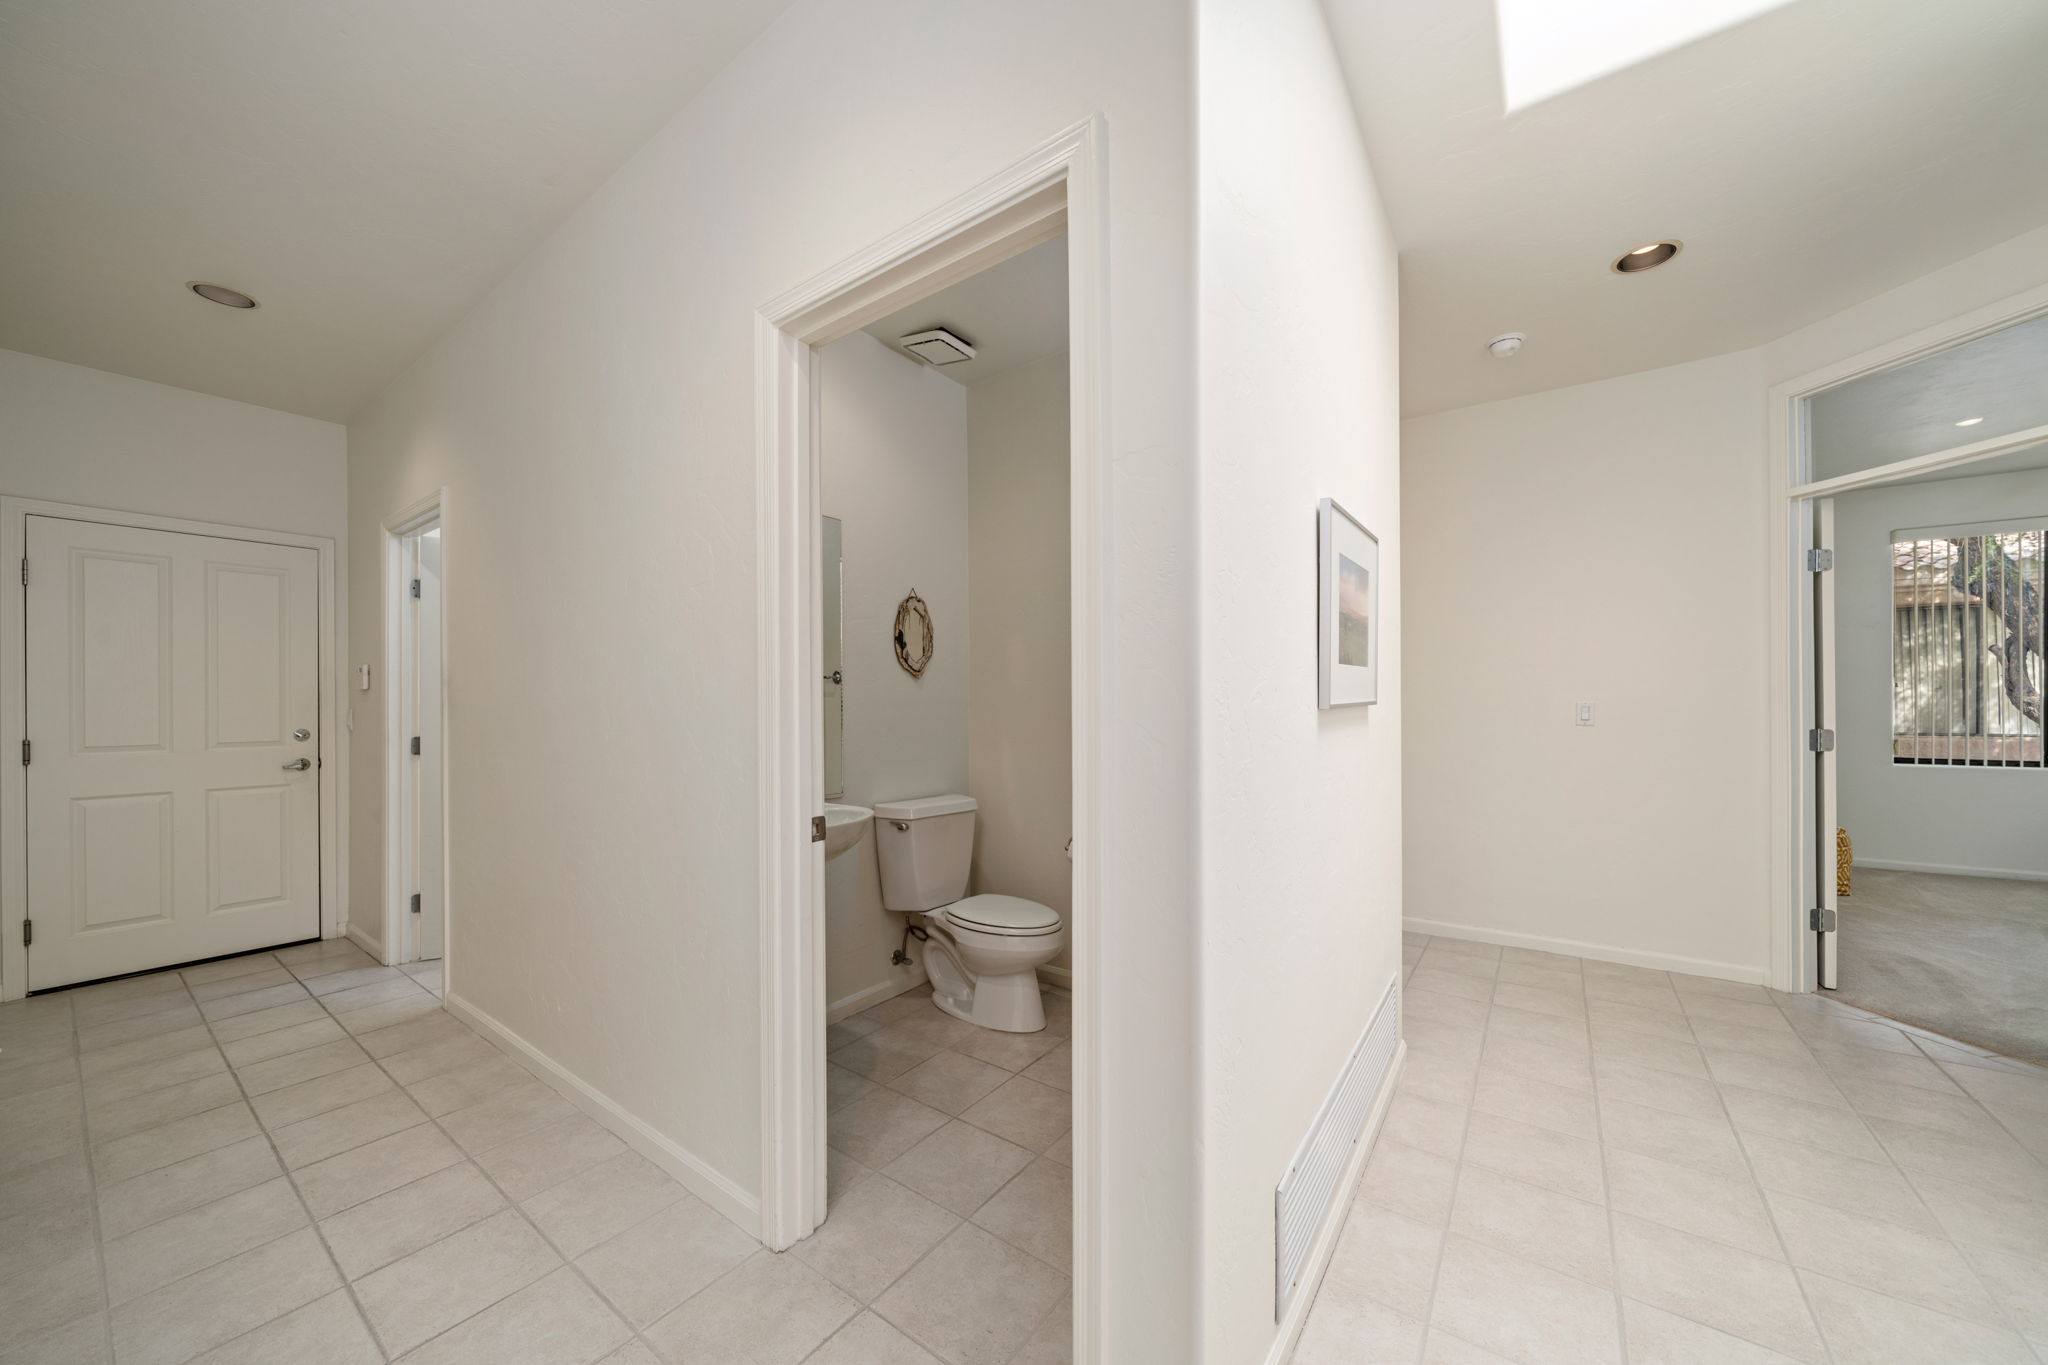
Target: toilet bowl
pixel 983 958
pixel 983 952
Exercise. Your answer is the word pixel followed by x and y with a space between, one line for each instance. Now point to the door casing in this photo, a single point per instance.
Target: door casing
pixel 1056 187
pixel 333 755
pixel 397 944
pixel 1796 855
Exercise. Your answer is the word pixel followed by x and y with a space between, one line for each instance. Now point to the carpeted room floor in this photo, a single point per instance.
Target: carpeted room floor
pixel 1963 956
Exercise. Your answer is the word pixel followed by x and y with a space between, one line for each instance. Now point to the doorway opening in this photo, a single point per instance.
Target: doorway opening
pixel 1920 675
pixel 1050 196
pixel 416 921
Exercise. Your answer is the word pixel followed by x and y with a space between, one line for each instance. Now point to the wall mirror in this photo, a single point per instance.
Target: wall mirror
pixel 831 601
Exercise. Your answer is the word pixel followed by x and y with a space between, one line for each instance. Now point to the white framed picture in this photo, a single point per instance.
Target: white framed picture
pixel 1348 605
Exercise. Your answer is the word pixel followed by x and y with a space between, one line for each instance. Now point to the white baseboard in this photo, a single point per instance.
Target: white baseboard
pixel 1060 977
pixel 1599 952
pixel 1333 1222
pixel 874 995
pixel 365 942
pixel 695 1174
pixel 1944 870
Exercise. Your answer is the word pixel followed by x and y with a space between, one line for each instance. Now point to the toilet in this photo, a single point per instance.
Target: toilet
pixel 984 951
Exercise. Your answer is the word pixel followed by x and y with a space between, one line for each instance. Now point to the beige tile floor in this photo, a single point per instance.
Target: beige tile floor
pixel 950 1187
pixel 1589 1163
pixel 298 1158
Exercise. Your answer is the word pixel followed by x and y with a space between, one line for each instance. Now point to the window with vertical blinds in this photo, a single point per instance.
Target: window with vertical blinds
pixel 1967 666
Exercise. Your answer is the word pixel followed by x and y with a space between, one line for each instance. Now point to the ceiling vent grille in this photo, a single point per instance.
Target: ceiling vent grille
pixel 937 347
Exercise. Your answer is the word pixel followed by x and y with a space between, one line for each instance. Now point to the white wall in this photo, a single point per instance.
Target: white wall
pixel 894 469
pixel 1020 750
pixel 70 434
pixel 1602 543
pixel 1959 820
pixel 77 435
pixel 1606 543
pixel 1299 841
pixel 594 422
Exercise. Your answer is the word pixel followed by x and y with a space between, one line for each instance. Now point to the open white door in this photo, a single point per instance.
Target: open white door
pixel 1826 921
pixel 426 858
pixel 173 770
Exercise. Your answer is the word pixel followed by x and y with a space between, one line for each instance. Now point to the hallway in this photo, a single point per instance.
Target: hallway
pixel 300 1157
pixel 1594 1163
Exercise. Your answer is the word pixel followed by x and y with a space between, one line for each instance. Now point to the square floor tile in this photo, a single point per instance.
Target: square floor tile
pixel 868 1340
pixel 556 1320
pixel 1521 1310
pixel 431 1290
pixel 959 1167
pixel 658 1263
pixel 878 1231
pixel 883 1125
pixel 547 1156
pixel 218 1304
pixel 949 1082
pixel 1536 1224
pixel 772 1310
pixel 1035 1213
pixel 364 1172
pixel 376 1232
pixel 174 1247
pixel 1864 1328
pixel 1752 1297
pixel 328 1331
pixel 975 1300
pixel 1024 1112
pixel 602 1202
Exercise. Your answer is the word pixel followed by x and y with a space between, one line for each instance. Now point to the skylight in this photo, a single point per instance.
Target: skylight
pixel 1550 46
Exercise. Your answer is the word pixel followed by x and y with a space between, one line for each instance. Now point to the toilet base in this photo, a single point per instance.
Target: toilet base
pixel 1009 1003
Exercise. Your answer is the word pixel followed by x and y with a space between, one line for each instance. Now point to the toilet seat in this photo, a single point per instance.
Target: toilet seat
pixel 1008 916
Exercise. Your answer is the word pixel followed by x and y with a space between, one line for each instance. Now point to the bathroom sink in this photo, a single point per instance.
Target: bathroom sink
pixel 845 826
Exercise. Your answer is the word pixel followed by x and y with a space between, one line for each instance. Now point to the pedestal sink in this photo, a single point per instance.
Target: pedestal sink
pixel 845 826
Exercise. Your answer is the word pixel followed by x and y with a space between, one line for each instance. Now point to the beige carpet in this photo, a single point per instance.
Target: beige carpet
pixel 1963 956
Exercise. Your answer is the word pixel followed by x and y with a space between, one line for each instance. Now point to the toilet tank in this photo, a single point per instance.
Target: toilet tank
pixel 926 847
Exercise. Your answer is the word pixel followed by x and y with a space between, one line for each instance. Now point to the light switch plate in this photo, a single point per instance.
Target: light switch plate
pixel 1584 714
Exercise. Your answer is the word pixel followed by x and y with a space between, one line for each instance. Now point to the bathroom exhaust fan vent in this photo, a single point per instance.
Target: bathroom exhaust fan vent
pixel 937 347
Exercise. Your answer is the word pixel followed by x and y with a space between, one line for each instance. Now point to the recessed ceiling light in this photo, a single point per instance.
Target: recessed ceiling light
pixel 1969 421
pixel 221 294
pixel 1647 257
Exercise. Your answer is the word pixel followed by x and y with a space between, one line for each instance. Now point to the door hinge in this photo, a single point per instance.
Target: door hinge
pixel 415 587
pixel 415 902
pixel 1819 561
pixel 415 743
pixel 25 750
pixel 1820 741
pixel 1822 921
pixel 817 829
pixel 28 932
pixel 24 571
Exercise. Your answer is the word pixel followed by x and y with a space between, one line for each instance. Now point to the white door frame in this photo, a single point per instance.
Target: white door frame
pixel 333 754
pixel 416 516
pixel 1790 496
pixel 1056 186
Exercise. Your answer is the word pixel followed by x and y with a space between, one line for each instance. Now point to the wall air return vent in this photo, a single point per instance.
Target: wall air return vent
pixel 1306 1193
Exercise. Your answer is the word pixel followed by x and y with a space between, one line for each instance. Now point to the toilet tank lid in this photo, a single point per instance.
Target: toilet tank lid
pixel 918 807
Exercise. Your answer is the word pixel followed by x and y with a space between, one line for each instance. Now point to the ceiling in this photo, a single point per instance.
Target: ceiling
pixel 1808 158
pixel 1012 313
pixel 365 169
pixel 2000 380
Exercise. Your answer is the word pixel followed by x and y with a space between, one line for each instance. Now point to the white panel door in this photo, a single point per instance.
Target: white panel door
pixel 1825 767
pixel 169 680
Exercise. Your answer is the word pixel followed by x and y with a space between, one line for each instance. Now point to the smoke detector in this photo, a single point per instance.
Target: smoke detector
pixel 1506 344
pixel 937 347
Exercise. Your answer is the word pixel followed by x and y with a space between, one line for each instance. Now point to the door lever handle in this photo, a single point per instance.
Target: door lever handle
pixel 299 766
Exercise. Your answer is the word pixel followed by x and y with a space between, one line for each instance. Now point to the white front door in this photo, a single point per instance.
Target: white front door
pixel 173 714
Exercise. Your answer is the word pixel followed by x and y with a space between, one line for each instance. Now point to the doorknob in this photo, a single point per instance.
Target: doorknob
pixel 299 766
pixel 302 733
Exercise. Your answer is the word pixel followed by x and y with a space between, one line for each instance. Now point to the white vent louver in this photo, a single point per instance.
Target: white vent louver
pixel 937 347
pixel 1303 1199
